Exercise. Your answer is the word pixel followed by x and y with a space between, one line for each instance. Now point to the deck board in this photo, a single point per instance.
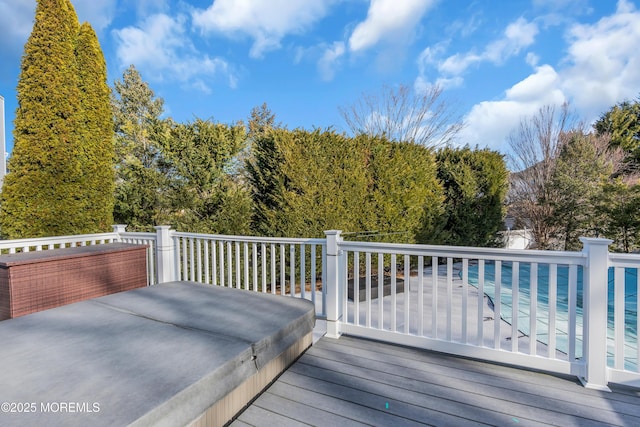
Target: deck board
pixel 393 371
pixel 355 381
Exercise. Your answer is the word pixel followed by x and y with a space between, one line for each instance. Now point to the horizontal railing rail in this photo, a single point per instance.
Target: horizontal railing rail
pixel 45 243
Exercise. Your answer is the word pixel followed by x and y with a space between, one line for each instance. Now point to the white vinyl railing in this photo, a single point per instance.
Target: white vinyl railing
pixel 488 303
pixel 46 243
pixel 538 309
pixel 280 266
pixel 566 312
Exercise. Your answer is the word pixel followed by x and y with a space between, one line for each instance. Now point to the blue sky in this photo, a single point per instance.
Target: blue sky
pixel 498 61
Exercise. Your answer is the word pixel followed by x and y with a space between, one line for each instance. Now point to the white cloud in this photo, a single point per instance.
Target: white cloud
pixel 517 36
pixel 330 59
pixel 599 70
pixel 99 13
pixel 388 20
pixel 532 59
pixel 490 122
pixel 160 46
pixel 421 85
pixel 458 63
pixel 465 28
pixel 267 22
pixel 603 61
pixel 544 83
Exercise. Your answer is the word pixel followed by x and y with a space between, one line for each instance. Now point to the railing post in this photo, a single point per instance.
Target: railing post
pixel 334 294
pixel 119 228
pixel 595 283
pixel 165 254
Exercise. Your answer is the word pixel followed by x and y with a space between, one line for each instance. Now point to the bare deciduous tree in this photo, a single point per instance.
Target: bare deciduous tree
pixel 534 147
pixel 401 114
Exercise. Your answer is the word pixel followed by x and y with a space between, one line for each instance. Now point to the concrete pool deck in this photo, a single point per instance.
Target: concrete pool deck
pixel 173 354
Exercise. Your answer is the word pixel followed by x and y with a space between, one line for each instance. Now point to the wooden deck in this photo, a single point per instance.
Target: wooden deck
pixel 352 381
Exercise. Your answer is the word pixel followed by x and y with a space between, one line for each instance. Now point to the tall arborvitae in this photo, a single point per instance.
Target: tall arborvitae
pixel 48 188
pixel 96 132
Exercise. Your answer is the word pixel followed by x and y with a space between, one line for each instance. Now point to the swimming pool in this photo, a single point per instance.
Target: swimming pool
pixel 562 307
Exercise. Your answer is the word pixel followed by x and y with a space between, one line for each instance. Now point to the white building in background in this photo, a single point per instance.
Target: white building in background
pixel 3 144
pixel 517 239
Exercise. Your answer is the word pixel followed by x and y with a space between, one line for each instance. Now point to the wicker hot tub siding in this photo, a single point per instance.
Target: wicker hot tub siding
pixel 36 281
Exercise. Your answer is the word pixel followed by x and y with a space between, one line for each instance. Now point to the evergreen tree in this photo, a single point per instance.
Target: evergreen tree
pixel 324 183
pixel 44 192
pixel 140 179
pixel 266 180
pixel 96 132
pixel 404 195
pixel 475 185
pixel 577 181
pixel 304 182
pixel 202 196
pixel 622 124
pixel 619 204
pixel 261 120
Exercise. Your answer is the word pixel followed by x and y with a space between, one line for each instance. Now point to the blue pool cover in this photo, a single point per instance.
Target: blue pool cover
pixel 562 304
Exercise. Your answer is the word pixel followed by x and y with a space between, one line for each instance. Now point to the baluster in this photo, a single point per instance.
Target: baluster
pixel 533 309
pixel 221 261
pixel 254 265
pixel 246 266
pixel 465 303
pixel 192 265
pixel 421 295
pixel 185 259
pixel 497 305
pixel 368 288
pixel 283 261
pixel 553 292
pixel 292 269
pixel 238 267
pixel 515 300
pixel 273 269
pixel 572 305
pixel 214 270
pixel 205 255
pixel 303 276
pixel 618 313
pixel 434 297
pixel 480 336
pixel 356 288
pixel 449 297
pixel 407 292
pixel 313 274
pixel 199 258
pixel 380 291
pixel 229 266
pixel 394 308
pixel 263 263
